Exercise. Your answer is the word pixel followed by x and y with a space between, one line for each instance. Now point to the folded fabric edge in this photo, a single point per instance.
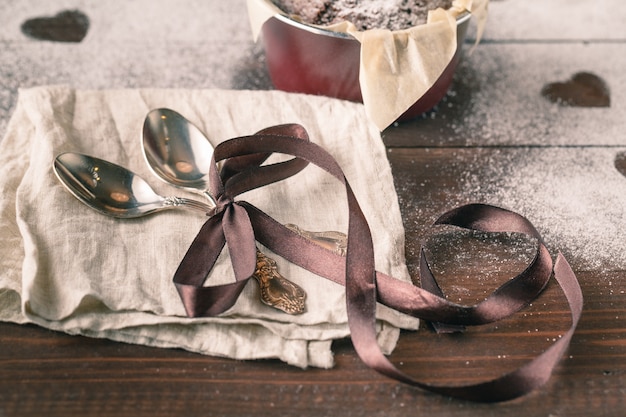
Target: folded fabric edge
pixel 294 352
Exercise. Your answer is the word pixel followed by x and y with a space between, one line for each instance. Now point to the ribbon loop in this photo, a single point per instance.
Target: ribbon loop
pixel 192 272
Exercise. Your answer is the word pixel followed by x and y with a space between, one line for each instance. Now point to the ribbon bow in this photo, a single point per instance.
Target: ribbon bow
pixel 229 222
pixel 238 224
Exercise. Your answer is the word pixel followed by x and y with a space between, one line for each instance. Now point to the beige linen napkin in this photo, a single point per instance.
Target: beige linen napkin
pixel 68 268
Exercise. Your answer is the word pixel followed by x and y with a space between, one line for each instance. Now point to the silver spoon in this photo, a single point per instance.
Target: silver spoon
pixel 114 190
pixel 118 192
pixel 177 151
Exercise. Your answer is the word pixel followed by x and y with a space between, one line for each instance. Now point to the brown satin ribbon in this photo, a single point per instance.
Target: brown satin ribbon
pixel 238 224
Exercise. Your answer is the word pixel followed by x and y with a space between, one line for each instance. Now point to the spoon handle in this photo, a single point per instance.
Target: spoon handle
pixel 276 290
pixel 281 293
pixel 336 242
pixel 187 203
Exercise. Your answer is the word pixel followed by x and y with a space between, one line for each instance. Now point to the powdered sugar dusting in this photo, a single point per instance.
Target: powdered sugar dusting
pixel 390 14
pixel 496 97
pixel 456 255
pixel 574 196
pixel 364 14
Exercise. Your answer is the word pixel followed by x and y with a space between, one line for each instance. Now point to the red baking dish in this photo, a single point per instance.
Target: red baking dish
pixel 307 59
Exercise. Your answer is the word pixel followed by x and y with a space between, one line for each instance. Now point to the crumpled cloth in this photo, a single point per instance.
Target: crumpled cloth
pixel 67 268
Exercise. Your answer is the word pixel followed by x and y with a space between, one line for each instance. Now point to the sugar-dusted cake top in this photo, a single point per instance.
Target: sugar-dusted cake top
pixel 364 14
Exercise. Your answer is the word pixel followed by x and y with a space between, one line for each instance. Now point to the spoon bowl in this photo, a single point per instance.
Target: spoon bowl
pixel 177 151
pixel 114 190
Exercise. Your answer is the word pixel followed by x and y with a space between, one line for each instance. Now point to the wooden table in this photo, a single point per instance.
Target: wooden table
pixel 493 119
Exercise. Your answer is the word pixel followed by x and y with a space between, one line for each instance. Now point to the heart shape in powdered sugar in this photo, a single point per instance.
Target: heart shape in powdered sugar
pixel 65 26
pixel 584 89
pixel 620 163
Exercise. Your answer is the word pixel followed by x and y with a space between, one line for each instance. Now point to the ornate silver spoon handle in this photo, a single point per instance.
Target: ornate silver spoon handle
pixel 279 292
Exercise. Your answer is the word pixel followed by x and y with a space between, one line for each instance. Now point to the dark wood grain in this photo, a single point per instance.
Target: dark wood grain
pixel 47 373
